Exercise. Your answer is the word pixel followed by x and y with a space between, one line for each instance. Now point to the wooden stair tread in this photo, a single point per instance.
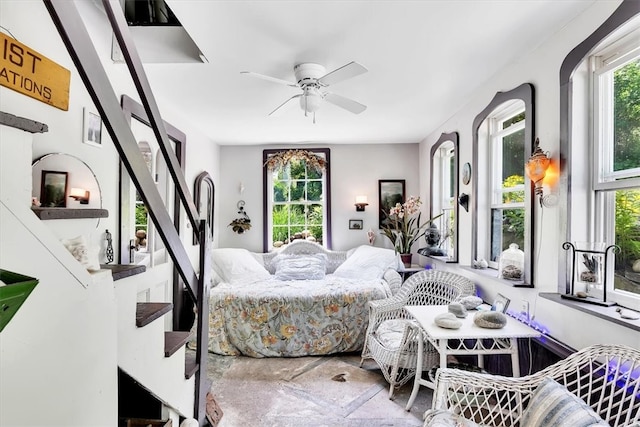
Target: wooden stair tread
pixel 147 312
pixel 190 365
pixel 173 340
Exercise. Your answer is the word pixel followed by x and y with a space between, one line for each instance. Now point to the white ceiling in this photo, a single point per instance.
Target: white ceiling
pixel 424 59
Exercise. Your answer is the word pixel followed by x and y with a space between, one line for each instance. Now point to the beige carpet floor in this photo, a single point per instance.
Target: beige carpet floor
pixel 309 392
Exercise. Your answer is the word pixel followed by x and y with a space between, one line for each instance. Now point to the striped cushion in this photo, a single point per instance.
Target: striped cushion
pixel 552 405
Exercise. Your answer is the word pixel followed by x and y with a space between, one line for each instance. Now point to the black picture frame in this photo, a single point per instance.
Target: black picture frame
pixel 390 192
pixel 53 189
pixel 500 303
pixel 355 224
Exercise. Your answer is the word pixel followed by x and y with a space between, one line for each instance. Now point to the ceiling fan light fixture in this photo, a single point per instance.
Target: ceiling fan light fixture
pixel 310 102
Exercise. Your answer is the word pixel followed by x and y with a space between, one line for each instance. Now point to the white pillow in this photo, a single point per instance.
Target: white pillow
pixel 300 267
pixel 236 264
pixel 84 254
pixel 368 263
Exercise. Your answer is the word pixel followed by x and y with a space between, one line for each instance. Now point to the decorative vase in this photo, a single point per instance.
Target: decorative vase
pixel 406 259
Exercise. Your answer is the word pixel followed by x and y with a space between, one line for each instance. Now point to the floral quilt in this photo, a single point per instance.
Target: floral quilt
pixel 275 318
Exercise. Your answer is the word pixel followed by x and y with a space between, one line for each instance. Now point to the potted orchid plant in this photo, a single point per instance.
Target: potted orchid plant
pixel 403 227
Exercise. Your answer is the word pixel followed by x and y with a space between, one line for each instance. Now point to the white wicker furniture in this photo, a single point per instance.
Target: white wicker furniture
pixel 392 335
pixel 469 339
pixel 606 377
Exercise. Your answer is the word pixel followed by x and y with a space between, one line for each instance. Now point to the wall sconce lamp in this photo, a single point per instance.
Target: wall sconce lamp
pixel 80 194
pixel 536 168
pixel 361 202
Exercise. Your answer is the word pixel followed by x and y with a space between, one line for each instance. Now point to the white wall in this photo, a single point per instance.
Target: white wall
pixel 355 170
pixel 540 67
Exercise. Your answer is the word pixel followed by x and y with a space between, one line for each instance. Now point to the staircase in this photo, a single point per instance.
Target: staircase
pixel 155 358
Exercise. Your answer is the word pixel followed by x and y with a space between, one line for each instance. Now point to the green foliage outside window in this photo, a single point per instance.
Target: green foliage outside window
pixel 295 189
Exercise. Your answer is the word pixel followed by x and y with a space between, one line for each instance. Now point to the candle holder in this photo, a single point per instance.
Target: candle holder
pixel 589 267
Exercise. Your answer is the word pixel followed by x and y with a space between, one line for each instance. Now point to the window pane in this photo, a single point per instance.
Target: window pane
pixel 298 214
pixel 513 155
pixel 512 120
pixel 507 226
pixel 297 191
pixel 627 237
pixel 315 214
pixel 280 191
pixel 280 234
pixel 517 194
pixel 298 169
pixel 314 191
pixel 313 174
pixel 280 214
pixel 626 146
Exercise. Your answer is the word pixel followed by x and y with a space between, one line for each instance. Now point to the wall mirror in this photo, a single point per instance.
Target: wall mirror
pixel 502 204
pixel 139 242
pixel 66 176
pixel 442 235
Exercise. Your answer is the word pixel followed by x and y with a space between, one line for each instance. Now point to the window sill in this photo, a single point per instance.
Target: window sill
pixel 489 273
pixel 606 313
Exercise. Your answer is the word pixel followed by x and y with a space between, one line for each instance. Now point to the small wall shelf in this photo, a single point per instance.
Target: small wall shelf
pixel 69 213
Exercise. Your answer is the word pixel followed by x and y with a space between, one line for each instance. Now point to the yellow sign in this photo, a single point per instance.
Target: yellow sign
pixel 30 73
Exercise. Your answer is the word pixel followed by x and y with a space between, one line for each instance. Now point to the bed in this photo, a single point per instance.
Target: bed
pixel 300 301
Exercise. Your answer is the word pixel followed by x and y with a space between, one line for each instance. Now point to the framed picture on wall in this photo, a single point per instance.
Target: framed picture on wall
pixel 390 192
pixel 92 128
pixel 53 189
pixel 355 224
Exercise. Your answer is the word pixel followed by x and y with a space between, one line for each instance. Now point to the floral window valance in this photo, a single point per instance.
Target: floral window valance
pixel 281 159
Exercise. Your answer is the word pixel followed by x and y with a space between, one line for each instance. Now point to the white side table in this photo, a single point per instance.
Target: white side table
pixel 469 339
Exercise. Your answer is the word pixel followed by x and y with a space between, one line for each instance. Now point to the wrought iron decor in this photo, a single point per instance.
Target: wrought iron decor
pixel 589 265
pixel 204 207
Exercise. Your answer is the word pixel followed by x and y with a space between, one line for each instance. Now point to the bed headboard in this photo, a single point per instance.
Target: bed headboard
pixel 305 247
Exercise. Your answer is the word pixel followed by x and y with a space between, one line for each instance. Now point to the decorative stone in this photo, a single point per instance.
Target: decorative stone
pixel 581 294
pixel 490 319
pixel 636 266
pixel 481 263
pixel 447 321
pixel 458 310
pixel 471 302
pixel 628 314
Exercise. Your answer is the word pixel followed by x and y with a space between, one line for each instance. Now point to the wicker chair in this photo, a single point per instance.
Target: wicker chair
pixel 391 338
pixel 605 377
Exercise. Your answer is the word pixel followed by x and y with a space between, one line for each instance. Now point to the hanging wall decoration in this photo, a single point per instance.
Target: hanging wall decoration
pixel 242 223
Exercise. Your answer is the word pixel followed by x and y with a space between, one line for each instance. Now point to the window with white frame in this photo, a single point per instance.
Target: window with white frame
pixel 506 215
pixel 296 205
pixel 615 168
pixel 443 196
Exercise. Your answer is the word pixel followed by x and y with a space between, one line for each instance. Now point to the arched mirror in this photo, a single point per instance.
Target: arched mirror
pixel 501 201
pixel 64 181
pixel 442 235
pixel 140 243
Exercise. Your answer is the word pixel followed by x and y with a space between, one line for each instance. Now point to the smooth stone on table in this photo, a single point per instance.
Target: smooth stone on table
pixel 490 319
pixel 447 321
pixel 471 302
pixel 457 309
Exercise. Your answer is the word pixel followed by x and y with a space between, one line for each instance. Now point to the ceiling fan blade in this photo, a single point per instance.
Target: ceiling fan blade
pixel 352 69
pixel 346 103
pixel 269 78
pixel 279 107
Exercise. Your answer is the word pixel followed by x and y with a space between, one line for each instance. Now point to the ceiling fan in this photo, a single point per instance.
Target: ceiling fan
pixel 313 80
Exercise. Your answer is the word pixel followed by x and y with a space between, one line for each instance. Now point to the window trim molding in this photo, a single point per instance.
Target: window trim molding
pixel 526 93
pixel 455 138
pixel 265 194
pixel 627 10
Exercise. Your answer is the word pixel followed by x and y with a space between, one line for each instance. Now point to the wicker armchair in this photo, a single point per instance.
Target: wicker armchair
pixel 391 338
pixel 605 377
